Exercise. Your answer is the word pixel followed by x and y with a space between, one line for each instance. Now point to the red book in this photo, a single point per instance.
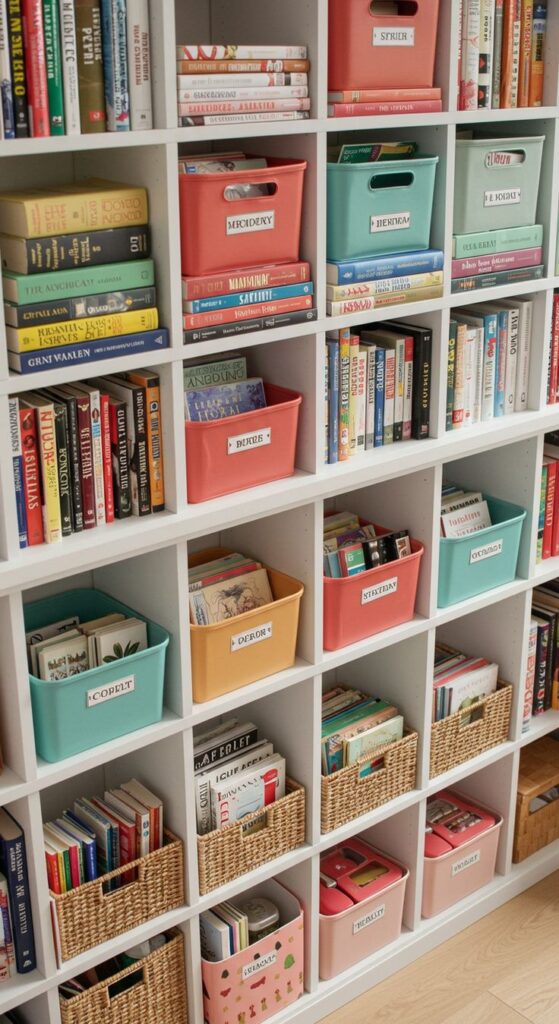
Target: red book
pixel 554 354
pixel 86 462
pixel 35 68
pixel 371 109
pixel 107 461
pixel 31 476
pixel 126 836
pixel 52 872
pixel 241 107
pixel 239 313
pixel 246 280
pixel 241 67
pixel 408 384
pixel 547 542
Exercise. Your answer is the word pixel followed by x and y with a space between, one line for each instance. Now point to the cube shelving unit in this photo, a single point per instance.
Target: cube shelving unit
pixel 143 562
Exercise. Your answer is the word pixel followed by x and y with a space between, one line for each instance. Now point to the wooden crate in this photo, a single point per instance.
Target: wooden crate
pixel 539 771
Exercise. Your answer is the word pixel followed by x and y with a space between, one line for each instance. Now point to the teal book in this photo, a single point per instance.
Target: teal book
pixel 65 284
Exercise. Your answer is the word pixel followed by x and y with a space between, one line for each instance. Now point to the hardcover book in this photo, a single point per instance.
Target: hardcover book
pixel 230 598
pixel 213 403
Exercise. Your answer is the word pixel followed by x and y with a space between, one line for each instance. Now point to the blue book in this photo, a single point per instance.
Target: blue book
pixel 379 268
pixel 86 837
pixel 13 864
pixel 115 65
pixel 333 350
pixel 89 351
pixel 286 291
pixel 215 403
pixel 17 463
pixel 501 356
pixel 379 397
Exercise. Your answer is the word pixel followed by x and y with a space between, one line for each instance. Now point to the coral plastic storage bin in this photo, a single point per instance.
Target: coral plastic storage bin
pixel 220 233
pixel 360 931
pixel 489 191
pixel 483 560
pixel 74 714
pixel 250 646
pixel 263 979
pixel 460 872
pixel 253 448
pixel 379 208
pixel 359 606
pixel 390 51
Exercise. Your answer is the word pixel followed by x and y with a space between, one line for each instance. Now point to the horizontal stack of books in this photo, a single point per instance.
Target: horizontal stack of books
pixel 77 278
pixel 109 968
pixel 64 649
pixel 377 387
pixel 233 84
pixel 553 362
pixel 351 546
pixel 548 519
pixel 463 512
pixel 501 54
pixel 488 361
pixel 74 66
pixel 460 682
pixel 486 259
pixel 225 587
pixel 542 667
pixel 98 835
pixel 355 724
pixel 17 944
pixel 86 454
pixel 219 387
pixel 375 102
pixel 235 773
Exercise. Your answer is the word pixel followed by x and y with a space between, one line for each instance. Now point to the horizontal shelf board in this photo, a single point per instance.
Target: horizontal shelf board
pixel 243 130
pixel 195 349
pixel 16 383
pixel 261 874
pixel 21 987
pixel 333 659
pixel 504 114
pixel 11 786
pixel 398 311
pixel 502 291
pixel 475 764
pixel 300 671
pixel 547 569
pixel 370 123
pixel 82 143
pixel 540 726
pixel 474 604
pixel 388 810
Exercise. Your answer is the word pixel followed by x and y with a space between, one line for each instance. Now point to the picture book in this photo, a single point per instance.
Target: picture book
pixel 230 598
pixel 223 400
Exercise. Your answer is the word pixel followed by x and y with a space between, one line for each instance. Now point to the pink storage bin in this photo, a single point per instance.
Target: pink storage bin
pixel 356 607
pixel 360 931
pixel 460 872
pixel 381 52
pixel 242 451
pixel 260 981
pixel 223 234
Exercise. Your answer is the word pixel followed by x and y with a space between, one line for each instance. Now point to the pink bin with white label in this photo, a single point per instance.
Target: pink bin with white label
pixel 460 872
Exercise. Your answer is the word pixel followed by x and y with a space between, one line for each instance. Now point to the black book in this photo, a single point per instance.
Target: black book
pixel 421 383
pixel 63 462
pixel 73 438
pixel 17 62
pixel 551 617
pixel 119 458
pixel 69 252
pixel 542 654
pixel 263 323
pixel 13 863
pixel 57 310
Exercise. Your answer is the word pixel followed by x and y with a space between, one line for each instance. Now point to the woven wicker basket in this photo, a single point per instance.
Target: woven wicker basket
pixel 455 739
pixel 232 851
pixel 160 998
pixel 346 796
pixel 88 916
pixel 539 771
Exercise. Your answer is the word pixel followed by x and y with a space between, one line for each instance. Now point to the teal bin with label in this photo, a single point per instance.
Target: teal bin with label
pixel 483 560
pixel 496 182
pixel 72 715
pixel 378 208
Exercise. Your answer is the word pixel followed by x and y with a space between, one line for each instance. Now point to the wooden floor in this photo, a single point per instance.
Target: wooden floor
pixel 502 970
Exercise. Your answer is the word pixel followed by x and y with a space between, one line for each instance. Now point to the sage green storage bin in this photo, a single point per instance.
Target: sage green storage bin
pixel 379 208
pixel 489 194
pixel 63 722
pixel 483 560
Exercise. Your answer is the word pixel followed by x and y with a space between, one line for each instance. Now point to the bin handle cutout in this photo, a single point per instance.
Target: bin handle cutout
pixel 391 179
pixel 499 158
pixel 364 762
pixel 123 890
pixel 471 716
pixel 110 995
pixel 252 828
pixel 243 190
pixel 406 9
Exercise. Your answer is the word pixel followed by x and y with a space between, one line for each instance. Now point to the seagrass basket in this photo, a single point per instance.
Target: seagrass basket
pixel 465 734
pixel 538 772
pixel 346 795
pixel 89 915
pixel 158 997
pixel 226 853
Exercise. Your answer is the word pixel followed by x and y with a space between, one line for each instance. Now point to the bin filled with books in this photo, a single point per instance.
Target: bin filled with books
pixel 537 799
pixel 85 648
pixel 244 618
pixel 541 691
pixel 240 431
pixel 113 843
pixel 368 757
pixel 248 811
pixel 17 952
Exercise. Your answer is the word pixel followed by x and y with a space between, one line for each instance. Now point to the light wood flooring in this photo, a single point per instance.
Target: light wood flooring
pixel 502 970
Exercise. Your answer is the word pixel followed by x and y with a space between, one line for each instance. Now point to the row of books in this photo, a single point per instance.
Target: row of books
pixel 231 84
pixel 99 835
pixel 354 724
pixel 377 387
pixel 460 682
pixel 110 968
pixel 351 546
pixel 548 517
pixel 225 587
pixel 501 55
pixel 542 666
pixel 462 512
pixel 17 943
pixel 487 259
pixel 488 361
pixel 86 454
pixel 553 362
pixel 231 927
pixel 68 647
pixel 361 285
pixel 74 66
pixel 235 774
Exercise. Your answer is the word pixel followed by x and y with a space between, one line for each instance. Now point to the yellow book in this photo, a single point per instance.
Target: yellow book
pixel 69 332
pixel 44 410
pixel 91 205
pixel 343 425
pixel 154 435
pixel 353 391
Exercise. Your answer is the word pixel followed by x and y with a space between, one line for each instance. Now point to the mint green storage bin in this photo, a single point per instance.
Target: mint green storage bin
pixel 489 194
pixel 64 723
pixel 379 208
pixel 484 560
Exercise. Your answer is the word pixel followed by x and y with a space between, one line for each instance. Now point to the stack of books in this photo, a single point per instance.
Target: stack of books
pixel 355 724
pixel 106 970
pixel 98 835
pixel 74 66
pixel 486 259
pixel 376 102
pixel 232 84
pixel 235 773
pixel 542 667
pixel 462 512
pixel 77 278
pixel 64 649
pixel 17 944
pixel 501 54
pixel 460 682
pixel 548 519
pixel 488 371
pixel 231 927
pixel 219 387
pixel 225 587
pixel 351 547
pixel 86 454
pixel 553 361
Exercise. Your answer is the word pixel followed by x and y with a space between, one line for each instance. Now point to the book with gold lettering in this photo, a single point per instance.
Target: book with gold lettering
pixel 90 205
pixel 89 328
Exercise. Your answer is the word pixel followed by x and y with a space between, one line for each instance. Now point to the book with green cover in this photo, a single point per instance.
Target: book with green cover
pixel 63 284
pixel 481 243
pixel 51 23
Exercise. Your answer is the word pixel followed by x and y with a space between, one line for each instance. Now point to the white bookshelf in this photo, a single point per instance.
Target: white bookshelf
pixel 143 561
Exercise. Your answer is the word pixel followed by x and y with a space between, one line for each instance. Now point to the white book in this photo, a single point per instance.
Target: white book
pixel 5 68
pixel 219 775
pixel 65 658
pixel 477 370
pixel 370 397
pixel 249 792
pixel 214 937
pixel 471 48
pixel 120 640
pixel 69 55
pixel 139 64
pixel 470 344
pixel 485 80
pixel 395 343
pixel 123 802
pixel 361 411
pixel 465 521
pixel 459 379
pixel 470 498
pixel 36 648
pixel 512 360
pixel 525 308
pixel 389 383
pixel 466 689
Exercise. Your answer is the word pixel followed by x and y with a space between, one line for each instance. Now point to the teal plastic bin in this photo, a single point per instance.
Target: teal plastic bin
pixel 379 208
pixel 483 560
pixel 76 714
pixel 496 182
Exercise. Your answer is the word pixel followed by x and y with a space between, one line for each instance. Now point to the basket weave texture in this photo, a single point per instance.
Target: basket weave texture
pixel 539 771
pixel 455 739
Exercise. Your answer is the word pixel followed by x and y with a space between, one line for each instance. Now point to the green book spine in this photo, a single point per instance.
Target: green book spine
pixel 450 373
pixel 483 243
pixel 51 22
pixel 541 516
pixel 64 284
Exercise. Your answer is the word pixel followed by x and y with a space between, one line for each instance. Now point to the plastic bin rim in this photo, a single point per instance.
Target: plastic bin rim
pixel 382 892
pixel 501 140
pixel 382 165
pixel 456 850
pixel 516 518
pixel 257 174
pixel 261 608
pixel 295 399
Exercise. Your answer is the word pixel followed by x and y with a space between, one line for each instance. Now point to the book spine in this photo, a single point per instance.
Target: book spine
pixel 247 298
pixel 6 95
pixel 115 67
pixel 31 476
pixel 97 455
pixel 24 289
pixel 471 50
pixel 17 464
pixel 512 355
pixel 69 332
pixel 477 373
pixel 360 418
pixel 542 654
pixel 451 362
pixel 370 399
pixel 515 67
pixel 14 864
pixel 458 404
pixel 141 500
pixel 7 929
pixel 190 120
pixel 197 52
pixel 496 262
pixel 107 460
pixel 385 266
pixel 75 468
pixel 523 357
pixel 389 393
pixel 399 391
pixel 155 445
pixel 530 676
pixel 53 57
pixel 485 76
pixel 363 290
pixel 408 388
pixel 242 106
pixel 459 87
pixel 63 466
pixel 239 313
pixel 139 64
pixel 541 513
pixel 539 24
pixel 75 309
pixel 333 363
pixel 462 66
pixel 487 243
pixel 549 510
pixel 468 284
pixel 119 454
pixel 86 461
pixel 344 448
pixel 89 49
pixel 245 327
pixel 422 387
pixel 241 67
pixel 36 68
pixel 371 109
pixel 501 359
pixel 17 63
pixel 553 375
pixel 527 7
pixel 379 396
pixel 69 50
pixel 489 368
pixel 216 285
pixel 266 92
pixel 105 348
pixel 353 391
pixel 507 53
pixel 52 523
pixel 497 61
pixel 235 83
